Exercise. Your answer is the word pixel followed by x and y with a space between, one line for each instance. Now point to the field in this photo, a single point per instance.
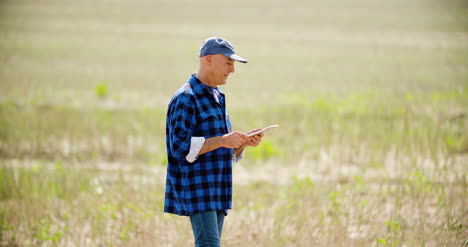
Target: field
pixel 371 98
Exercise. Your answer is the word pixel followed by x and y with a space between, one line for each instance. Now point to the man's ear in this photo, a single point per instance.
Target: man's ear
pixel 208 59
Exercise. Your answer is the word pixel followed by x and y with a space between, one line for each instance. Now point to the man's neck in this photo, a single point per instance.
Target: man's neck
pixel 204 78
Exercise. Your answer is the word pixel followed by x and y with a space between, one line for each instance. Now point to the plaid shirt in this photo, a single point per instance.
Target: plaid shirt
pixel 205 184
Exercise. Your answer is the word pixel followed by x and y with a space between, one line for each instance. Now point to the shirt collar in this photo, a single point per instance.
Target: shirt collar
pixel 199 88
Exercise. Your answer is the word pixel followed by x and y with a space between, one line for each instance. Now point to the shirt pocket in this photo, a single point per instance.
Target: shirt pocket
pixel 211 123
pixel 214 118
pixel 209 116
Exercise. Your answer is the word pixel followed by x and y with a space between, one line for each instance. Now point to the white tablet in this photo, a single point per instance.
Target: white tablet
pixel 262 130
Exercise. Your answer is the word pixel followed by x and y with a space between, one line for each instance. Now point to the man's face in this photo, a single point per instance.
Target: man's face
pixel 222 67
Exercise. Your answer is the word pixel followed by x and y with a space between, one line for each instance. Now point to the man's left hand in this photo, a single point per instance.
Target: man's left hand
pixel 254 140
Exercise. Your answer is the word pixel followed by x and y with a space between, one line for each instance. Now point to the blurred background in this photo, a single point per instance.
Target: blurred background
pixel 371 98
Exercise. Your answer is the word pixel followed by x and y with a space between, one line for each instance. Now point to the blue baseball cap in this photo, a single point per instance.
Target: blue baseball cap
pixel 217 45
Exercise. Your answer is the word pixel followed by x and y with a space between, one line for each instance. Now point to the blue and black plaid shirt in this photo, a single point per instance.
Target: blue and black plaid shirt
pixel 205 184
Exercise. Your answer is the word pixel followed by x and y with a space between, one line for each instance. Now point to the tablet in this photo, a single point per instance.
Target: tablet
pixel 262 130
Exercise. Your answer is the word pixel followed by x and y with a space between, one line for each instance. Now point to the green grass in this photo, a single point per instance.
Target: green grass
pixel 370 97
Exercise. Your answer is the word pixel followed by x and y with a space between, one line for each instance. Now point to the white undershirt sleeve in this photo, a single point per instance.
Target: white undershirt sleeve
pixel 196 143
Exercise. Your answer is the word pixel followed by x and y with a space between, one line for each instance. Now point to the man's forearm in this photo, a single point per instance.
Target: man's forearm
pixel 211 144
pixel 231 140
pixel 234 139
pixel 215 143
pixel 239 150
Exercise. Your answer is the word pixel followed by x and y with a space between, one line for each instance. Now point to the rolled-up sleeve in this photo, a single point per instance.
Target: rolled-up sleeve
pixel 181 125
pixel 196 145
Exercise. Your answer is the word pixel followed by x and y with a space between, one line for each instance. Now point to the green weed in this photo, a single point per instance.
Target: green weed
pixel 101 90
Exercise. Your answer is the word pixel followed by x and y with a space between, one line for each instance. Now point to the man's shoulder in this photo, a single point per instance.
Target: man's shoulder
pixel 186 89
pixel 183 94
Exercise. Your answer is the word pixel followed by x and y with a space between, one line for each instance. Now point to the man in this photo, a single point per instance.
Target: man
pixel 201 146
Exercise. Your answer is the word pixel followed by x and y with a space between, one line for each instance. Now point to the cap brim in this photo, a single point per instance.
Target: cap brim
pixel 237 58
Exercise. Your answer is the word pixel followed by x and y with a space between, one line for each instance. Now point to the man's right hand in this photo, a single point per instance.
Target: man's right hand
pixel 234 139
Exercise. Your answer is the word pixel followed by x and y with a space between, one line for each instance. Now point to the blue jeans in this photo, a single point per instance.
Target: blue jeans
pixel 207 228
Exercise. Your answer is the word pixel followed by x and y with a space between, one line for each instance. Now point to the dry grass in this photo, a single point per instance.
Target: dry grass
pixel 306 205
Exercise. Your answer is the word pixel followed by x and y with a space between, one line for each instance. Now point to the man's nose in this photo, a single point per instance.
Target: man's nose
pixel 232 69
